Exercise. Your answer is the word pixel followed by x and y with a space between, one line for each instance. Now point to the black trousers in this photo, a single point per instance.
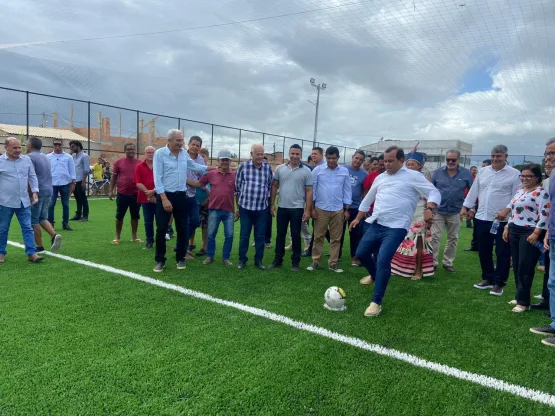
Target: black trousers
pixel 269 221
pixel 495 275
pixel 80 195
pixel 525 257
pixel 474 242
pixel 354 236
pixel 286 216
pixel 179 201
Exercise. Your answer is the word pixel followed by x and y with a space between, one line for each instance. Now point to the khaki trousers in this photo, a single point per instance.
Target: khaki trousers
pixel 453 224
pixel 334 221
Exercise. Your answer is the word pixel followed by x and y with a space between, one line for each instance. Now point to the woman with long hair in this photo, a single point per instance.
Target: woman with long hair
pixel 529 210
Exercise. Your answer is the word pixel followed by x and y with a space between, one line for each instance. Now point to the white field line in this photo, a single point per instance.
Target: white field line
pixel 482 380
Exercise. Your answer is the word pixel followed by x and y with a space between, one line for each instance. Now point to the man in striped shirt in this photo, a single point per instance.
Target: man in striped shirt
pixel 253 182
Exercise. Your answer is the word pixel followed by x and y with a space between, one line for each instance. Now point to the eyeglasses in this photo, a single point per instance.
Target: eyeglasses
pixel 549 154
pixel 527 176
pixel 451 160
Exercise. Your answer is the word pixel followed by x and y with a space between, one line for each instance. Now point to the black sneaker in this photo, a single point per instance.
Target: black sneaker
pixel 84 219
pixel 159 267
pixel 549 341
pixel 274 265
pixel 56 243
pixel 148 246
pixel 242 265
pixel 543 330
pixel 450 269
pixel 306 253
pixel 542 306
pixel 259 266
pixel 66 227
pixel 75 218
pixel 181 265
pixel 40 249
pixel 471 249
pixel 295 268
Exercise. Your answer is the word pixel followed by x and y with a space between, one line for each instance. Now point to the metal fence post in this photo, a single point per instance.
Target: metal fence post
pixel 88 138
pixel 263 138
pixel 239 157
pixel 344 155
pixel 212 145
pixel 138 134
pixel 27 110
pixel 283 152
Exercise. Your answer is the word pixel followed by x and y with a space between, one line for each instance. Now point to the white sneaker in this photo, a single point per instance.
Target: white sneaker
pixel 167 236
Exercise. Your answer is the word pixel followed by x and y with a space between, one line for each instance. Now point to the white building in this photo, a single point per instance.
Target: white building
pixel 435 150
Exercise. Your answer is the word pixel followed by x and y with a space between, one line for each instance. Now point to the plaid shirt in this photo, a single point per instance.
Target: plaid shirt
pixel 253 185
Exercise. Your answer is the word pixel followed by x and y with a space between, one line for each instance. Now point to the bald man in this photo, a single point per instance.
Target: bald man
pixel 17 177
pixel 144 180
pixel 253 182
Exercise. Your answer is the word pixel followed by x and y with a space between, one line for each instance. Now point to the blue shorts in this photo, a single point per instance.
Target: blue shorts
pixel 39 211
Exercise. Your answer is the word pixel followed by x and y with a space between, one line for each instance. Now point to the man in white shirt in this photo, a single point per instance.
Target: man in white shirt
pixel 494 186
pixel 395 194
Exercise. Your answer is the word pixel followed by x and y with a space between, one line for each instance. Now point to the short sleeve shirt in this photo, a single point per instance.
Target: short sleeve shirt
pixel 292 185
pixel 125 169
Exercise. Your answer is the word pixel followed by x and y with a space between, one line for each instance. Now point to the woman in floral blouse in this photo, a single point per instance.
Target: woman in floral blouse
pixel 529 210
pixel 414 257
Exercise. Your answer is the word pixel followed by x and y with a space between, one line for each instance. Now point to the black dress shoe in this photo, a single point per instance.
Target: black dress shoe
pixel 67 227
pixel 242 265
pixel 471 249
pixel 260 266
pixel 542 306
pixel 274 265
pixel 306 253
pixel 75 218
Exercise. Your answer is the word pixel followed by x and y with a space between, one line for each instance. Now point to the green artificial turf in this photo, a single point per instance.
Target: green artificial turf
pixel 77 340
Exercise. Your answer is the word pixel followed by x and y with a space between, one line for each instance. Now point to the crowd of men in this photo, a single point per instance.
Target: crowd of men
pixel 372 199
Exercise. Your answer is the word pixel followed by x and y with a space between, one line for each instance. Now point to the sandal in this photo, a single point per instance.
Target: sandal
pixel 115 241
pixel 520 308
pixel 512 302
pixel 136 240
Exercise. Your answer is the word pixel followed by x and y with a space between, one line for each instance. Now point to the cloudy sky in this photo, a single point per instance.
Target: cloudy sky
pixel 478 71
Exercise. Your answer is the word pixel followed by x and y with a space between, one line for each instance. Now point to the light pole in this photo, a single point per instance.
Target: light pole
pixel 318 87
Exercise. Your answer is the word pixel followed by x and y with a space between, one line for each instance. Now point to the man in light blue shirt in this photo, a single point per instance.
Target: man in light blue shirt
pixel 332 199
pixel 17 175
pixel 170 166
pixel 82 170
pixel 63 181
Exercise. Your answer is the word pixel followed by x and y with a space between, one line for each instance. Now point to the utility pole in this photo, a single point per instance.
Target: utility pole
pixel 318 88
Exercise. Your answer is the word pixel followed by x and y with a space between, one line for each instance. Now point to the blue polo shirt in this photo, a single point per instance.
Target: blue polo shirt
pixel 451 189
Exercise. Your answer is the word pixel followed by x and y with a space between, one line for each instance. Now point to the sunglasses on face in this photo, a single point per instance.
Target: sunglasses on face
pixel 452 160
pixel 57 144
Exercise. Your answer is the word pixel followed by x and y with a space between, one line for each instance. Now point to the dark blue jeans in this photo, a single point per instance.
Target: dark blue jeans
pixel 63 190
pixel 149 210
pixel 194 219
pixel 250 219
pixel 380 243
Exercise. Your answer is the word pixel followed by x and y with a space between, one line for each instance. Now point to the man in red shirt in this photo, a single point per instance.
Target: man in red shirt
pixel 144 180
pixel 367 184
pixel 123 175
pixel 221 206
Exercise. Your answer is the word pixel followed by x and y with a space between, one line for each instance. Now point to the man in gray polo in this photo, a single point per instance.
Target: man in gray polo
pixel 293 180
pixel 39 211
pixel 451 181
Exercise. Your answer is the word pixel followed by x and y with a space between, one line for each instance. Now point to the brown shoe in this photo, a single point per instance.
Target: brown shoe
pixel 366 280
pixel 373 310
pixel 227 263
pixel 189 257
pixel 207 260
pixel 355 262
pixel 484 284
pixel 496 291
pixel 35 259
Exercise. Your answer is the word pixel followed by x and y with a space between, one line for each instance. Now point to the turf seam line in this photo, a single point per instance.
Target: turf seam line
pixel 483 380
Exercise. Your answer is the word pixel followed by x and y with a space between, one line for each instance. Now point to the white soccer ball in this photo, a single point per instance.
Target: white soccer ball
pixel 335 298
